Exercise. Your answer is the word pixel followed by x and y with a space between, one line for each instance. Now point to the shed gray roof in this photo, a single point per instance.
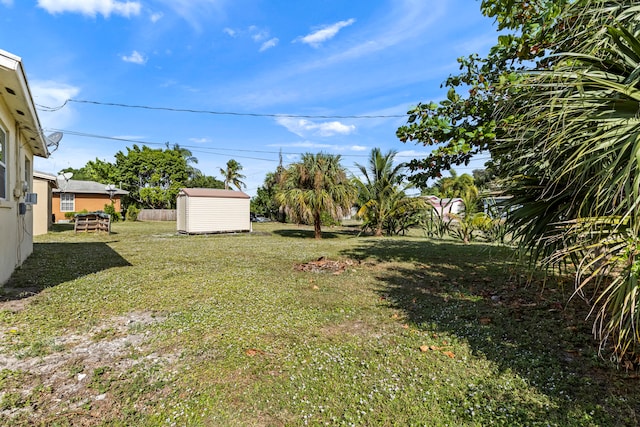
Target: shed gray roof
pixel 84 187
pixel 213 192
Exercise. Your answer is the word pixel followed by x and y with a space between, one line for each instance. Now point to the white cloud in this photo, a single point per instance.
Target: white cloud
pixel 49 93
pixel 358 148
pixel 259 35
pixel 412 154
pixel 6 2
pixel 230 32
pixel 92 7
pixel 195 12
pixel 135 57
pixel 303 127
pixel 155 17
pixel 321 146
pixel 200 140
pixel 269 44
pixel 316 38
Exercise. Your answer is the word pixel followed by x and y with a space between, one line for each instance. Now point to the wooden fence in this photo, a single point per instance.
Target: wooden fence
pixel 157 215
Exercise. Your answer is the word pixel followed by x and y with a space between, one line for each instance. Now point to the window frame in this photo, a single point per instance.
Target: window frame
pixel 4 175
pixel 28 173
pixel 64 203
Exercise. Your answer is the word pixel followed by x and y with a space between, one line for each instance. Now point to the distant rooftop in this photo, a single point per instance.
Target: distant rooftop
pixel 86 187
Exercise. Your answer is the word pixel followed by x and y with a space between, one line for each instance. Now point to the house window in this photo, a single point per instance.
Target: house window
pixel 27 174
pixel 67 202
pixel 3 164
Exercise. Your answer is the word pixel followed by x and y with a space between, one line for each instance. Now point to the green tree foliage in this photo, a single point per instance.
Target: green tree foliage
pixel 315 185
pixel 232 175
pixel 383 202
pixel 153 177
pixel 200 180
pixel 463 124
pixel 455 185
pixel 190 159
pixel 95 170
pixel 556 105
pixel 570 156
pixel 265 202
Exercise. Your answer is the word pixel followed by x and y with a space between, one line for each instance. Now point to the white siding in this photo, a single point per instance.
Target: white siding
pixel 213 211
pixel 181 213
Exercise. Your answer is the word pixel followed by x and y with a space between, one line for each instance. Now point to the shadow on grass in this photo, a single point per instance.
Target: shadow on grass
pixel 475 294
pixel 62 227
pixel 53 263
pixel 327 233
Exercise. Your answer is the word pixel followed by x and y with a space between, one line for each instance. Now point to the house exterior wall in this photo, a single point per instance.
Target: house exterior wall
pixel 90 202
pixel 446 207
pixel 213 214
pixel 15 229
pixel 43 209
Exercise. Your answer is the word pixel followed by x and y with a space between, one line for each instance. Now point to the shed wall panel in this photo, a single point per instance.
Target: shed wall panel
pixel 214 215
pixel 181 213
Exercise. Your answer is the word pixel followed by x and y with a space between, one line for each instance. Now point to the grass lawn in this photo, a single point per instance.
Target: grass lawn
pixel 147 327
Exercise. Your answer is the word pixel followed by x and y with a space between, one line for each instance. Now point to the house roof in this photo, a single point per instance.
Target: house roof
pixel 213 192
pixel 15 92
pixel 84 187
pixel 46 177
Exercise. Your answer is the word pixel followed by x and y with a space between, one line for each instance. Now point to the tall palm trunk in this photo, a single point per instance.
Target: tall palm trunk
pixel 317 222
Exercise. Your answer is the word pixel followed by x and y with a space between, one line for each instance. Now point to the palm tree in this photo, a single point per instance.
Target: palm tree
pixel 315 185
pixel 188 157
pixel 462 186
pixel 232 175
pixel 381 194
pixel 571 160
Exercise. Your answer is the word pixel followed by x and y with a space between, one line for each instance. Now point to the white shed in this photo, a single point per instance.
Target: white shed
pixel 207 210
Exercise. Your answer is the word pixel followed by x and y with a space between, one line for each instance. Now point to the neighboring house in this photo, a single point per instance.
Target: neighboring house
pixel 446 207
pixel 43 184
pixel 78 196
pixel 206 210
pixel 21 139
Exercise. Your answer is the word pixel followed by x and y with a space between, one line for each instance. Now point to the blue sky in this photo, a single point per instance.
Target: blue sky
pixel 253 58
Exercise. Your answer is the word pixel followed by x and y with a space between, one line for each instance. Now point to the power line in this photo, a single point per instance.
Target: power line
pixel 214 150
pixel 222 113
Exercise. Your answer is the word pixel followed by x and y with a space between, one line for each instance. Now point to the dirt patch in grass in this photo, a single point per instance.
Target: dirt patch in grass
pixel 356 328
pixel 325 265
pixel 79 375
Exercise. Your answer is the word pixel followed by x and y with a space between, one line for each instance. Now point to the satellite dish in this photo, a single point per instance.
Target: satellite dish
pixel 54 139
pixel 66 176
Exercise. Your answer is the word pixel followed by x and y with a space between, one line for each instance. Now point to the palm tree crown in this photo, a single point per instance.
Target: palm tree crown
pixel 232 175
pixel 317 184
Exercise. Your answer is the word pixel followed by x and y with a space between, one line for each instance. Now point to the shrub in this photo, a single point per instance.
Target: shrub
pixel 111 210
pixel 327 220
pixel 132 213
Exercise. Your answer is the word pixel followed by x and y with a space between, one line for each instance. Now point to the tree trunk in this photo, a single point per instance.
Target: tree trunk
pixel 316 225
pixel 378 232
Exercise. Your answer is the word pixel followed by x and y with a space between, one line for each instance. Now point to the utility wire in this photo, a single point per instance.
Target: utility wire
pixel 221 113
pixel 215 150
